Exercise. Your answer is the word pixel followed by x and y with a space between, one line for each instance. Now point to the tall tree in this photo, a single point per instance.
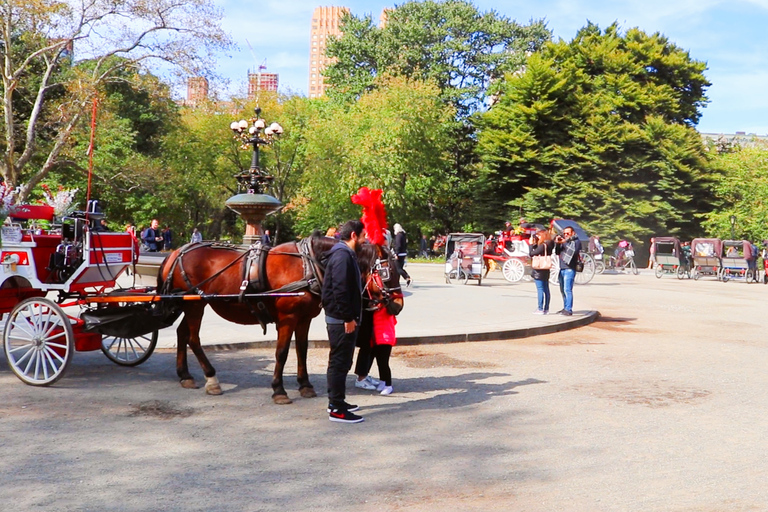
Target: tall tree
pixel 600 129
pixel 38 44
pixel 448 42
pixel 396 137
pixel 741 190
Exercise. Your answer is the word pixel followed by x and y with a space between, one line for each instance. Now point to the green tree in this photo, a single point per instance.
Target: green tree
pixel 39 40
pixel 741 190
pixel 447 42
pixel 599 129
pixel 396 138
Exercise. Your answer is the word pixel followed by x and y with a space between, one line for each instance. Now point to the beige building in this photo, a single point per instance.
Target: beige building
pixel 325 22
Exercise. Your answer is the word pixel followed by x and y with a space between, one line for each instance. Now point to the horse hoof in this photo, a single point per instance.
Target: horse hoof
pixel 282 400
pixel 213 390
pixel 189 384
pixel 212 386
pixel 308 392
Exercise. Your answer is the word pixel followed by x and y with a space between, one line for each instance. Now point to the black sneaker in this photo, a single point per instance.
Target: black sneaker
pixel 343 416
pixel 345 406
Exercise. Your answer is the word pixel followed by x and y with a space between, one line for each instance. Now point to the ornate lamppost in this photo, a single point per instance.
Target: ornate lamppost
pixel 252 202
pixel 733 224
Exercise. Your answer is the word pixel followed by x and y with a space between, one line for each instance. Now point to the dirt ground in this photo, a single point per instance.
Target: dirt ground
pixel 659 406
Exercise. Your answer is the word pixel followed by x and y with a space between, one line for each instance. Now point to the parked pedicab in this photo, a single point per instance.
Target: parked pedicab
pixel 670 258
pixel 464 257
pixel 706 257
pixel 736 261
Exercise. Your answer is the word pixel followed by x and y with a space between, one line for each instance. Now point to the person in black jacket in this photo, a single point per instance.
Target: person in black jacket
pixel 342 303
pixel 153 237
pixel 401 250
pixel 541 245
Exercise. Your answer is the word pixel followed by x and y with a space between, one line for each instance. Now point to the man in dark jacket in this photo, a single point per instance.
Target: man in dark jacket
pixel 342 302
pixel 153 237
pixel 568 247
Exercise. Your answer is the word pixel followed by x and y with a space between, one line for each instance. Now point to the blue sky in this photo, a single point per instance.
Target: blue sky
pixel 730 36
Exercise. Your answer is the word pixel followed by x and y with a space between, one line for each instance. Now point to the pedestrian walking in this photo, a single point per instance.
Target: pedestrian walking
pixel 541 249
pixel 197 236
pixel 423 247
pixel 567 247
pixel 342 303
pixel 401 250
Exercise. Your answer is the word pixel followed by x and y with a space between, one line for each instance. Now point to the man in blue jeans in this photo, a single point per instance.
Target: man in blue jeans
pixel 342 302
pixel 568 247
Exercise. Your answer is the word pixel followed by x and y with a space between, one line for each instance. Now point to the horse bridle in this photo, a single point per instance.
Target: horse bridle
pixel 379 275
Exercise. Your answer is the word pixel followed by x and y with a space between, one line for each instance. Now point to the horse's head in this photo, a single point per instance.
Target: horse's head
pixel 380 277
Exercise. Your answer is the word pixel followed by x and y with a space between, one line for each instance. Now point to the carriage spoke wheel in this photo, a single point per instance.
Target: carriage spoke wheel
pixel 38 341
pixel 513 270
pixel 659 271
pixel 588 273
pixel 599 266
pixel 129 351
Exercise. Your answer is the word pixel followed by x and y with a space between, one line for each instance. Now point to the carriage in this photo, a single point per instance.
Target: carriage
pixel 510 252
pixel 706 257
pixel 669 257
pixel 79 265
pixel 464 257
pixel 738 261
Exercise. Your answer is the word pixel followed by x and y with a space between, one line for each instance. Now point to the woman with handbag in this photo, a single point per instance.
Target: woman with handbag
pixel 541 248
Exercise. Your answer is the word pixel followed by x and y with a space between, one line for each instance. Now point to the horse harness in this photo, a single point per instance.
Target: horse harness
pixel 379 275
pixel 254 274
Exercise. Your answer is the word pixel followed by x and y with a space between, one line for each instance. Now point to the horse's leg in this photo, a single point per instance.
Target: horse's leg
pixel 285 329
pixel 302 375
pixel 182 369
pixel 195 319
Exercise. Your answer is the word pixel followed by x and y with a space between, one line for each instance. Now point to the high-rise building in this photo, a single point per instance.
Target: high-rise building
pixel 325 22
pixel 261 82
pixel 197 90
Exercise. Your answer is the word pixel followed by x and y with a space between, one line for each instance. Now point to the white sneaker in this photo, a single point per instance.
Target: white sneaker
pixel 388 390
pixel 381 385
pixel 364 384
pixel 539 312
pixel 372 380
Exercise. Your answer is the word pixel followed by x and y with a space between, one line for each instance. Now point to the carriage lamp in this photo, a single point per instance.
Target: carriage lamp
pixel 733 224
pixel 254 133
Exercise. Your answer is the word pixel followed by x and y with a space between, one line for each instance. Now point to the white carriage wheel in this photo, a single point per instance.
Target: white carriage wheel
pixel 513 270
pixel 129 351
pixel 588 273
pixel 554 272
pixel 38 341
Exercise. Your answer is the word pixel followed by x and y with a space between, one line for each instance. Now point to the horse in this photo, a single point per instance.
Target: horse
pixel 211 269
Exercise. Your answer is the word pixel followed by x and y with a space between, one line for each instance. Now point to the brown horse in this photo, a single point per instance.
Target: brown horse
pixel 221 270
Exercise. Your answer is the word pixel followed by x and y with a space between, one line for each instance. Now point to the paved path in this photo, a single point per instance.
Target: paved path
pixel 659 406
pixel 434 312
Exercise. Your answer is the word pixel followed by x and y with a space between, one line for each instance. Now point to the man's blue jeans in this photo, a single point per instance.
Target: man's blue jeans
pixel 542 290
pixel 566 277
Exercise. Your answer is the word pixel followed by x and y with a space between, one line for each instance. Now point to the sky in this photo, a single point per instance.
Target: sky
pixel 730 36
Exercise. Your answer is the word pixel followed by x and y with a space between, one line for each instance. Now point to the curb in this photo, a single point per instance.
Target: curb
pixel 509 334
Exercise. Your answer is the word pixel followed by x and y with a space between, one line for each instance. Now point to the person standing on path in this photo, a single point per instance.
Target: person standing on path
pixel 401 250
pixel 342 303
pixel 197 236
pixel 542 245
pixel 167 238
pixel 568 247
pixel 153 237
pixel 652 254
